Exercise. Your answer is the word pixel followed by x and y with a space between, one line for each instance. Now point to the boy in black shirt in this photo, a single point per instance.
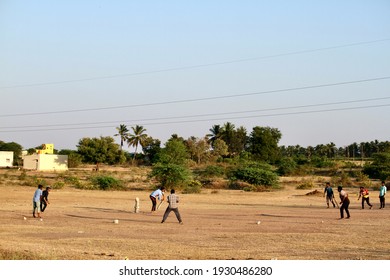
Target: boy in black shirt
pixel 45 199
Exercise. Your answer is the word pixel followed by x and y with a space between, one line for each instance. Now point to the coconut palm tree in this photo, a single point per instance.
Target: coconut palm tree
pixel 136 138
pixel 215 134
pixel 123 132
pixel 227 134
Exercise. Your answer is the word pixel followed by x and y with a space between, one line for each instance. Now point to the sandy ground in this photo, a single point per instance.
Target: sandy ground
pixel 218 225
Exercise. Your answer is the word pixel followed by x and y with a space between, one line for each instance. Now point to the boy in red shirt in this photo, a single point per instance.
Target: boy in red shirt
pixel 365 197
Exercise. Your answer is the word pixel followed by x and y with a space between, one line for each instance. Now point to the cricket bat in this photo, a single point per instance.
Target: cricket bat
pixel 158 206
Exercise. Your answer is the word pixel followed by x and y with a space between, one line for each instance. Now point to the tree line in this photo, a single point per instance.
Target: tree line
pixel 222 142
pixel 259 149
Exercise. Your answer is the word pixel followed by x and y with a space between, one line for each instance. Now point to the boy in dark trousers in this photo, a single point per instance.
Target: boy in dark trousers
pixel 328 191
pixel 344 201
pixel 45 199
pixel 173 201
pixel 363 193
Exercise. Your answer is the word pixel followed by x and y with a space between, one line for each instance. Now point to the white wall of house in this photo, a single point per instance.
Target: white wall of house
pixel 6 159
pixel 45 162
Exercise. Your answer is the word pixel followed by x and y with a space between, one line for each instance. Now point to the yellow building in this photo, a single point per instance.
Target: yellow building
pixel 46 149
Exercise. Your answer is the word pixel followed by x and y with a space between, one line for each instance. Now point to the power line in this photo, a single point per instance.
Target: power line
pixel 193 66
pixel 201 99
pixel 199 115
pixel 203 120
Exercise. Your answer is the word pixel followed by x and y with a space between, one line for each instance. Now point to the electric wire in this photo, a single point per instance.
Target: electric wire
pixel 193 66
pixel 201 99
pixel 199 115
pixel 203 120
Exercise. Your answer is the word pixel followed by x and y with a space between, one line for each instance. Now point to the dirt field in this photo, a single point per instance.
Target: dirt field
pixel 223 224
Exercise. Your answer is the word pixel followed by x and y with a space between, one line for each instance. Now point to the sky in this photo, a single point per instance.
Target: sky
pixel 319 71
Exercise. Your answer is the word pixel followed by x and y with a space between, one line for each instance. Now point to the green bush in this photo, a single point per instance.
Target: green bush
pixel 322 162
pixel 58 185
pixel 342 180
pixel 106 183
pixel 213 171
pixel 362 179
pixel 193 187
pixel 171 175
pixel 380 167
pixel 40 181
pixel 257 174
pixel 287 166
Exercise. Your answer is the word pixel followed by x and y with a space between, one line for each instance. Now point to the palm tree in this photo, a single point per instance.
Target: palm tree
pixel 227 134
pixel 136 138
pixel 215 133
pixel 123 132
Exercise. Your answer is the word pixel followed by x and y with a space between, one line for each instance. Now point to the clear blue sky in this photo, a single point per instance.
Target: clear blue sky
pixel 59 56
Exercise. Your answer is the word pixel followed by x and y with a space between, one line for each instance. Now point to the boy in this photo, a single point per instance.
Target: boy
pixel 37 201
pixel 173 200
pixel 329 194
pixel 365 197
pixel 157 194
pixel 382 193
pixel 344 202
pixel 45 199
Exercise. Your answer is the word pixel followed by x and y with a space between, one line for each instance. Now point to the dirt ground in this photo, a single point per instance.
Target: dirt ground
pixel 218 225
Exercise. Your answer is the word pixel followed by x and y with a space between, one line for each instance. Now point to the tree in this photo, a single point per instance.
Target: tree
pixel 215 134
pixel 170 169
pixel 220 149
pixel 123 132
pixel 175 152
pixel 74 158
pixel 198 149
pixel 99 150
pixel 380 167
pixel 239 140
pixel 151 148
pixel 227 135
pixel 263 143
pixel 171 175
pixel 136 138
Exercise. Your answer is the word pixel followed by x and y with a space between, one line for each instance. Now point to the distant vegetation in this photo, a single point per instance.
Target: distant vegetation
pixel 227 157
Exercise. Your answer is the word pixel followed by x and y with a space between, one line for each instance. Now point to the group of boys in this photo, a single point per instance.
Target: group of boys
pixel 344 200
pixel 40 201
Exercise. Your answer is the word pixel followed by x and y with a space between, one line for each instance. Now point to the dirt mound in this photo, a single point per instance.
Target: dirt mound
pixel 315 193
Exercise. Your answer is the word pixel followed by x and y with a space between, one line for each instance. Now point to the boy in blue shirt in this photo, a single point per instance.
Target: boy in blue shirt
pixel 382 193
pixel 37 201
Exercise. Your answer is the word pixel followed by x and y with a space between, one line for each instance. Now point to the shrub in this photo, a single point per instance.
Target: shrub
pixel 193 187
pixel 106 183
pixel 23 175
pixel 171 175
pixel 380 167
pixel 40 181
pixel 214 171
pixel 306 185
pixel 287 166
pixel 363 179
pixel 257 174
pixel 58 185
pixel 322 162
pixel 342 180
